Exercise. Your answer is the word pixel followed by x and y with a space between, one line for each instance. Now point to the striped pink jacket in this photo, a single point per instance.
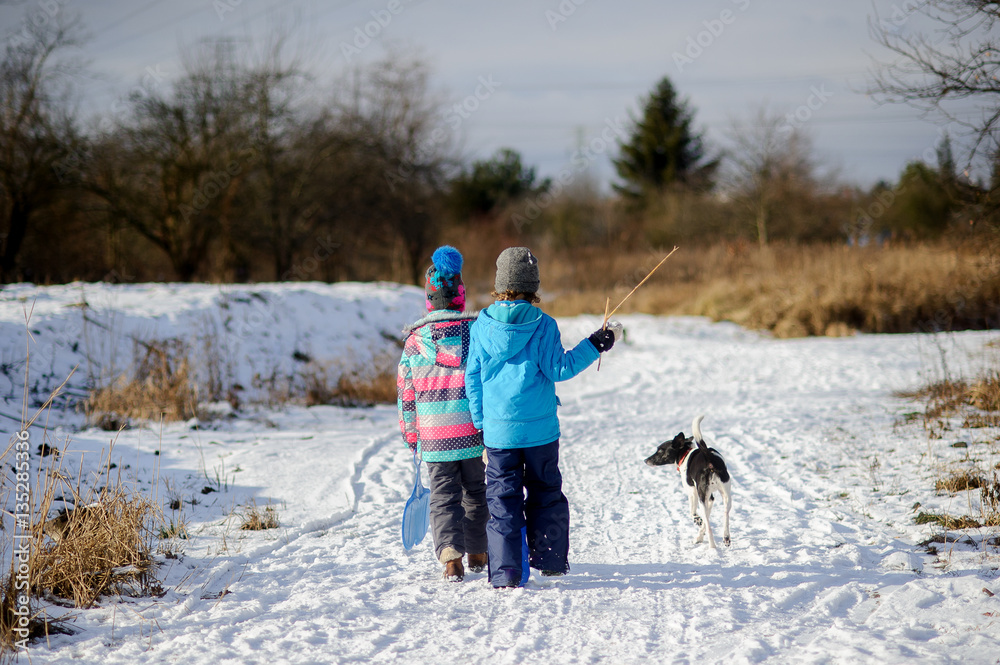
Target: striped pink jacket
pixel 430 383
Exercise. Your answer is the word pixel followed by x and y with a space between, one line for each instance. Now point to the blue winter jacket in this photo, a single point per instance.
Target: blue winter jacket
pixel 515 358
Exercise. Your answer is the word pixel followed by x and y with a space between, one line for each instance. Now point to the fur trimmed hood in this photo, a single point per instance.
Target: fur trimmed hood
pixel 439 315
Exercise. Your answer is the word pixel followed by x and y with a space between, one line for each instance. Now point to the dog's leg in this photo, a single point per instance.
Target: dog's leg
pixel 702 523
pixel 708 522
pixel 693 495
pixel 729 504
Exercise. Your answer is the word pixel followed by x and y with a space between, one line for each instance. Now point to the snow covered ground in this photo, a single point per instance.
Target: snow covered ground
pixel 824 566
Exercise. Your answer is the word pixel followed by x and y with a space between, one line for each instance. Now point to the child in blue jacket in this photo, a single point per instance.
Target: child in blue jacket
pixel 515 358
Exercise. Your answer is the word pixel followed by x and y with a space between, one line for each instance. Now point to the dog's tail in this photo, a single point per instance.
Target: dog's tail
pixel 699 439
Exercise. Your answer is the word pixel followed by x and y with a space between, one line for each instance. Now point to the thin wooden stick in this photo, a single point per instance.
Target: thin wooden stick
pixel 607 303
pixel 608 316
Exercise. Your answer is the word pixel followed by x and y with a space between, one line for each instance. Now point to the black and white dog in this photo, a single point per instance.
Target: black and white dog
pixel 703 472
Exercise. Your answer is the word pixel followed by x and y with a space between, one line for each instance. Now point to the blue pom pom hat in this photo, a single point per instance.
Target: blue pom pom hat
pixel 443 285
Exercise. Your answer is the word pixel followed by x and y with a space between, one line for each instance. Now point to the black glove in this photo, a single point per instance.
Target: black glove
pixel 603 339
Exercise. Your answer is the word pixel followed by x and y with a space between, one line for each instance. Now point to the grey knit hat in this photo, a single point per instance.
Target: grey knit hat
pixel 517 271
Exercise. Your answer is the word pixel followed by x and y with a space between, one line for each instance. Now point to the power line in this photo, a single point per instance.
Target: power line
pixel 133 14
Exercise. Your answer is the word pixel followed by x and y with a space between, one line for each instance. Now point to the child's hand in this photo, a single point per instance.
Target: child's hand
pixel 603 339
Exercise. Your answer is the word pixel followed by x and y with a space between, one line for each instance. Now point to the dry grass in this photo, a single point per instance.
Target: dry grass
pixel 978 401
pixel 837 290
pixel 948 521
pixel 790 290
pixel 989 495
pixel 943 398
pixel 38 626
pixel 256 518
pixel 100 546
pixel 377 388
pixel 375 384
pixel 984 393
pixel 960 481
pixel 160 386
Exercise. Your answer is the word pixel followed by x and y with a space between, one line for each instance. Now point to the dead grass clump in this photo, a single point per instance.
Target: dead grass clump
pixel 984 394
pixel 977 401
pixel 375 384
pixel 255 518
pixel 379 388
pixel 161 386
pixel 989 495
pixel 17 630
pixel 99 546
pixel 960 481
pixel 981 420
pixel 948 521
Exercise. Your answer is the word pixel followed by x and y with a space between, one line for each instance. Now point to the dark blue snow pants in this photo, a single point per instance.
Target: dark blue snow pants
pixel 524 488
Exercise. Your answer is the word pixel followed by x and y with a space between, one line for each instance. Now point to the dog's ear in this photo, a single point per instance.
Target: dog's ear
pixel 680 438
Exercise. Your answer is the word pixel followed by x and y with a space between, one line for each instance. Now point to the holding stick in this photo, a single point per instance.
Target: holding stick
pixel 608 316
pixel 607 303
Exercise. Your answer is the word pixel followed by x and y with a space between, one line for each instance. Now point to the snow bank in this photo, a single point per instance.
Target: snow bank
pixel 256 336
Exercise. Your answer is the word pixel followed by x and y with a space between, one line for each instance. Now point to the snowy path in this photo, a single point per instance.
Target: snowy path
pixel 820 569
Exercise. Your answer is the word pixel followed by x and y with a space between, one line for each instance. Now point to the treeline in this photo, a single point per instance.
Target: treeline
pixel 239 169
pixel 243 168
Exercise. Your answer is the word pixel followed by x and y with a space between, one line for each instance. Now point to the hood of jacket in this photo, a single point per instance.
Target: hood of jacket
pixel 429 331
pixel 507 327
pixel 434 317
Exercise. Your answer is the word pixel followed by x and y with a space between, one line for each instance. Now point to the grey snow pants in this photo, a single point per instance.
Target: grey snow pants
pixel 458 505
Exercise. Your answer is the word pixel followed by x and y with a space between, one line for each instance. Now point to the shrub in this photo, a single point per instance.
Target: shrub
pixel 161 385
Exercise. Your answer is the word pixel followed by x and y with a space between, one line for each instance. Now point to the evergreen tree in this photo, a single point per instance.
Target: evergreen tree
pixel 923 205
pixel 664 149
pixel 492 183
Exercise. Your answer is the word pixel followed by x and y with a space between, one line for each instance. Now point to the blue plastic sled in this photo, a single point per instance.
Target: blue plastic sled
pixel 417 511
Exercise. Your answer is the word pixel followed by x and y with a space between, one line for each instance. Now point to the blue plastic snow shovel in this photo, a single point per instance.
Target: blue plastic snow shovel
pixel 417 511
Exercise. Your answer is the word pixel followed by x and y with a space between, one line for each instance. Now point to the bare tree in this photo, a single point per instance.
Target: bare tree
pixel 38 133
pixel 951 73
pixel 277 204
pixel 770 161
pixel 396 125
pixel 172 171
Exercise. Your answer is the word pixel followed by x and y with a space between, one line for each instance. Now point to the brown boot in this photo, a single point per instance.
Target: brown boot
pixel 453 570
pixel 477 562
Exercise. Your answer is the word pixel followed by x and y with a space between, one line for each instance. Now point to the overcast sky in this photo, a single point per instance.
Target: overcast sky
pixel 559 70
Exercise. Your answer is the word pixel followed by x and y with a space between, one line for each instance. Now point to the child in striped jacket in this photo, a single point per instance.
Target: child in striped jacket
pixel 435 421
